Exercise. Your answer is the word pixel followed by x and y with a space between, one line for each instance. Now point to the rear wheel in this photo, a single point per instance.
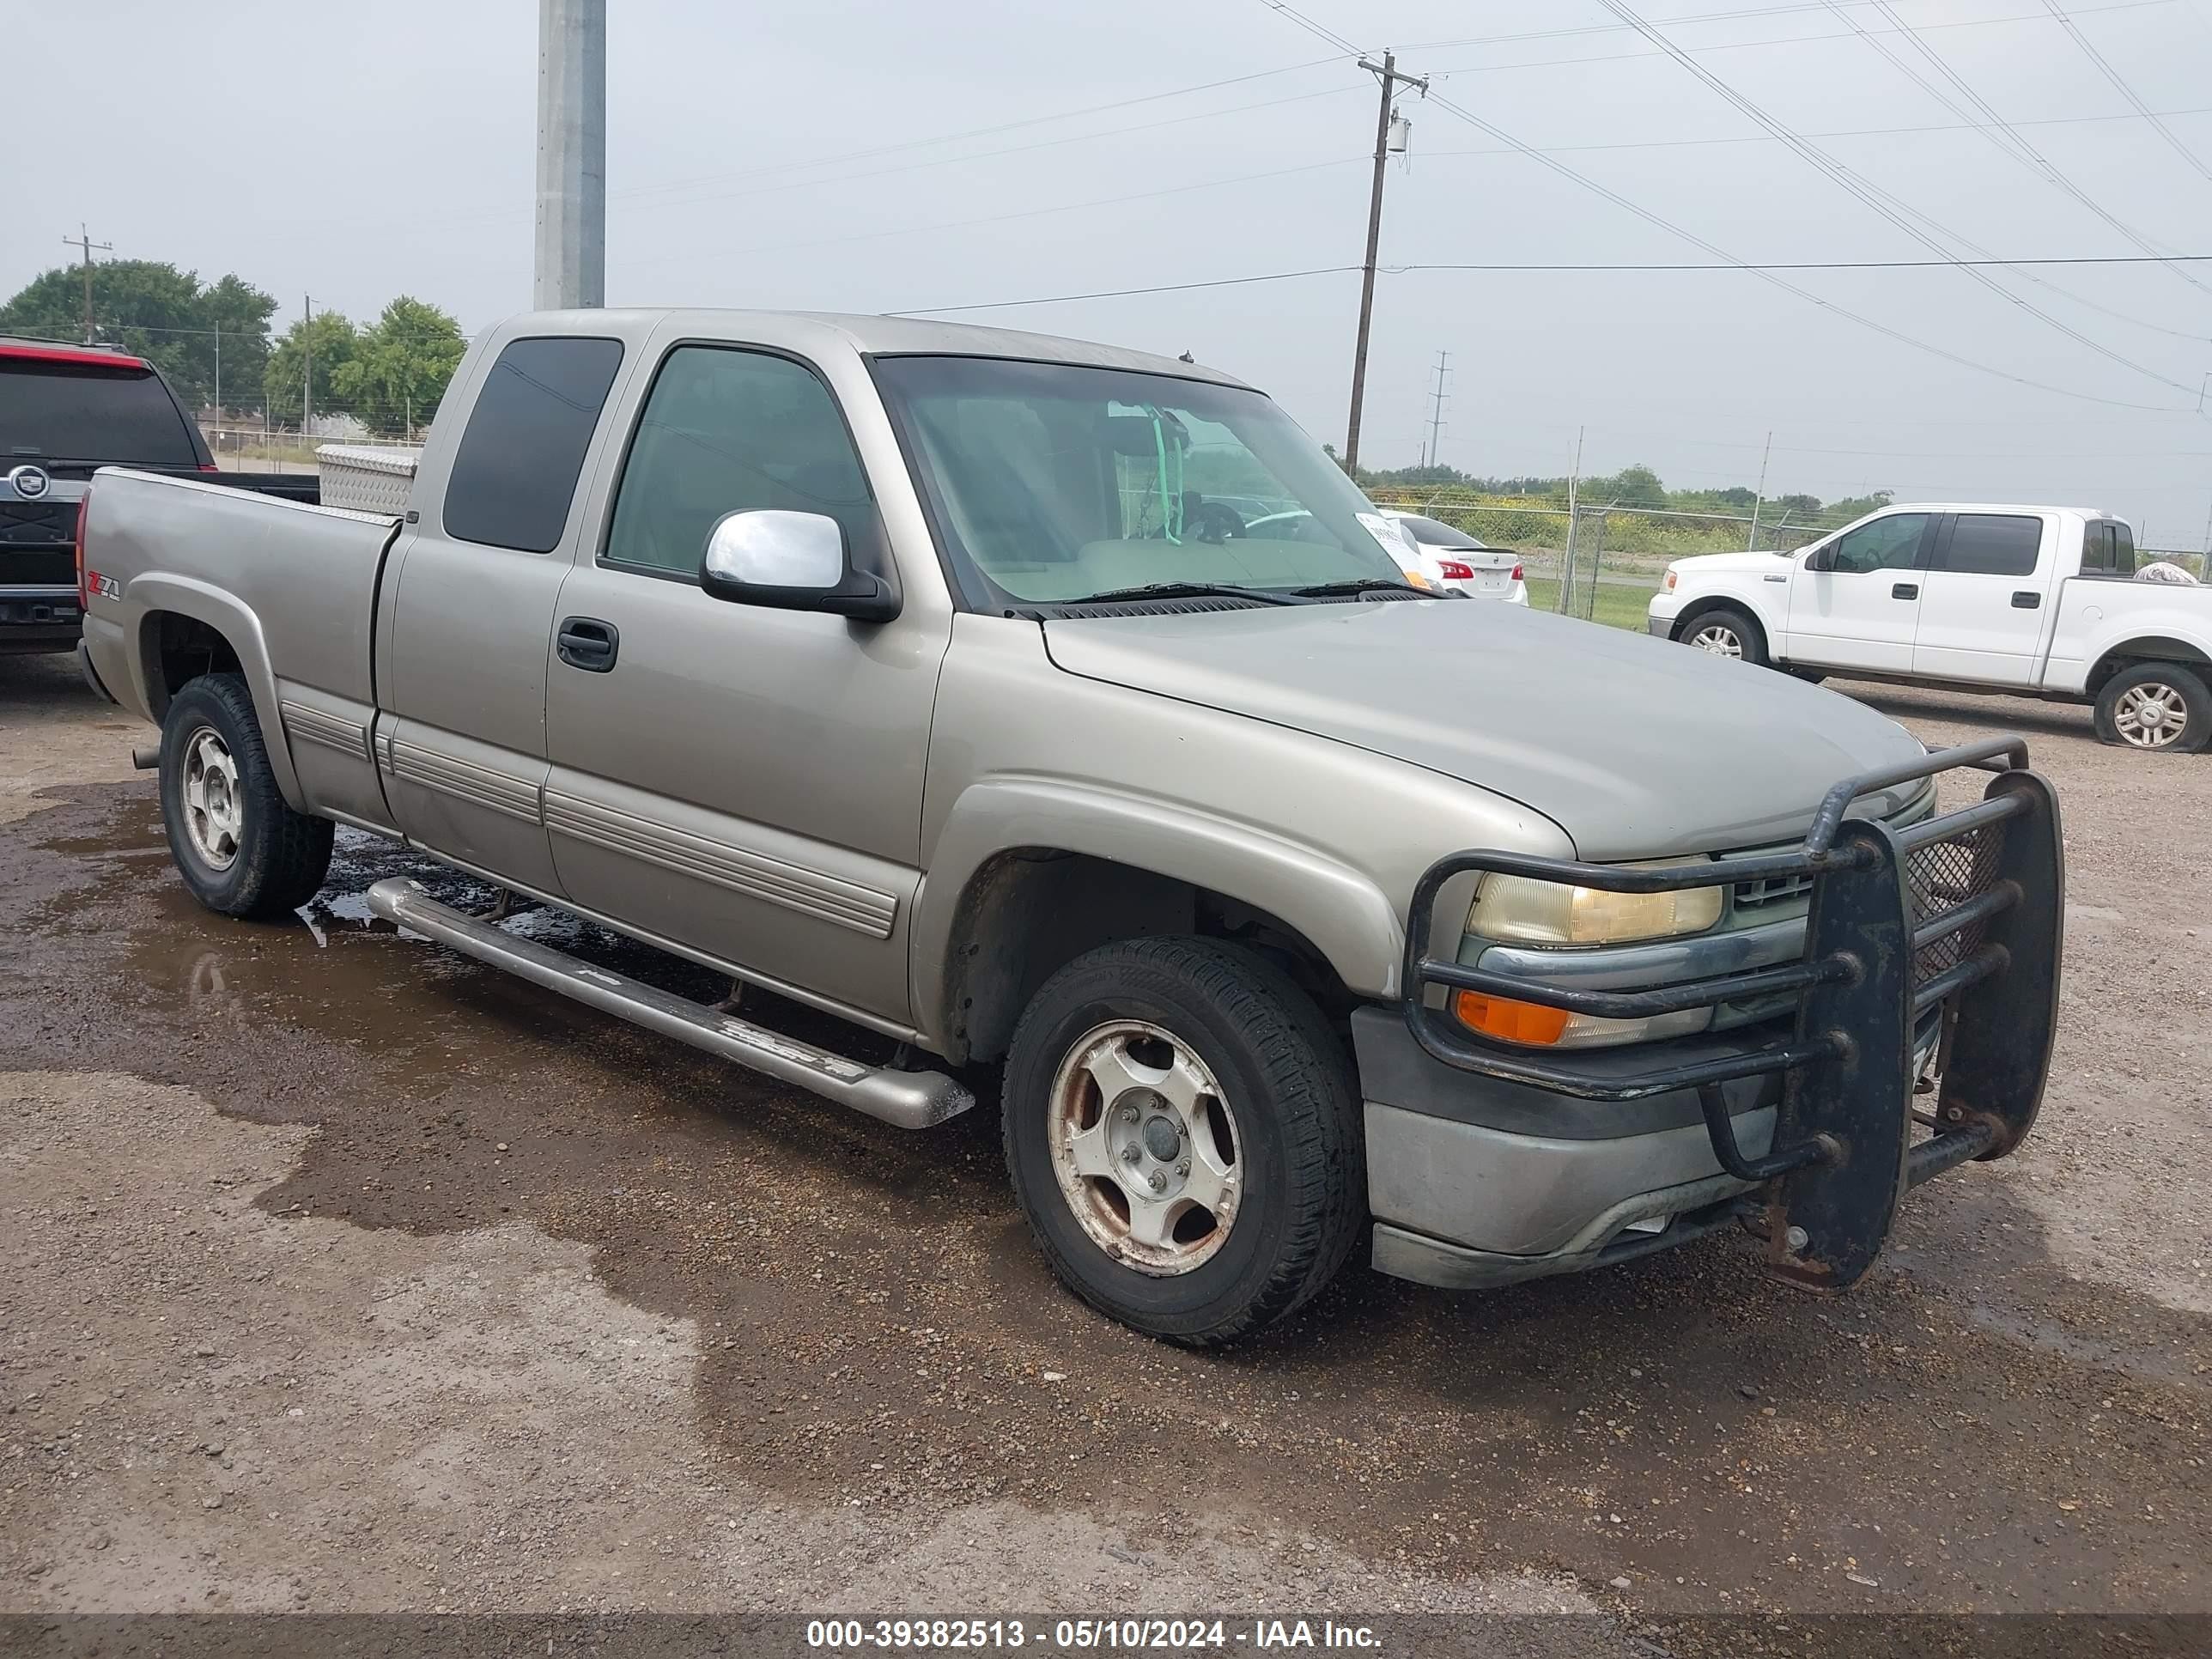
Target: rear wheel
pixel 1183 1135
pixel 240 848
pixel 2155 705
pixel 1727 632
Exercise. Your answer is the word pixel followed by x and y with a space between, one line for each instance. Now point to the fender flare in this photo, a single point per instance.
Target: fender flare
pixel 1348 917
pixel 157 592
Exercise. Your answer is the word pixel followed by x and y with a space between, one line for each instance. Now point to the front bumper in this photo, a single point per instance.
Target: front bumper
pixel 1931 945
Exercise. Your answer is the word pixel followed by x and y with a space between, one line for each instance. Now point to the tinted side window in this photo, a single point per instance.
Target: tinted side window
pixel 1992 544
pixel 726 430
pixel 2124 550
pixel 515 471
pixel 1890 543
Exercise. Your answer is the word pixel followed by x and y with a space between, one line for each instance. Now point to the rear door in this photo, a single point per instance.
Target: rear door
pixel 1986 595
pixel 462 746
pixel 1855 602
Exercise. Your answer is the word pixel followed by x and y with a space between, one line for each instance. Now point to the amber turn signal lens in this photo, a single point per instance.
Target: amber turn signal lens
pixel 1514 1021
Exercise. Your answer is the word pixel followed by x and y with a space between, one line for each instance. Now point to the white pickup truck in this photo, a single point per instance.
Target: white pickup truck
pixel 2043 601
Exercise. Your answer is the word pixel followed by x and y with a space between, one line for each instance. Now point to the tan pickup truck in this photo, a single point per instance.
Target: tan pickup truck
pixel 1025 700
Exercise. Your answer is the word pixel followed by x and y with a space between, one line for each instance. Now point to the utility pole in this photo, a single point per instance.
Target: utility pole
pixel 1386 73
pixel 307 345
pixel 1751 540
pixel 218 376
pixel 570 267
pixel 1436 416
pixel 83 240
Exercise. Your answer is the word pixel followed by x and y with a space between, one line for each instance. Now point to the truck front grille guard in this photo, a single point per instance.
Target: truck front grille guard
pixel 1962 912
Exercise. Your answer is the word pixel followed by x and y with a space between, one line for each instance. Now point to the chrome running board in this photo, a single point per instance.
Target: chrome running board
pixel 910 1100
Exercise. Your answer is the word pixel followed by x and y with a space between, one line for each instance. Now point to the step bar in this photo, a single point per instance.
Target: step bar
pixel 908 1100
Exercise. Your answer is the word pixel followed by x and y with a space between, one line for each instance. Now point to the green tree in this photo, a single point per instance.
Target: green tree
pixel 400 366
pixel 331 341
pixel 161 313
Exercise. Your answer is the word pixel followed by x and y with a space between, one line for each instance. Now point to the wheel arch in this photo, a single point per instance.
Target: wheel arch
pixel 2149 647
pixel 1029 878
pixel 185 629
pixel 1705 604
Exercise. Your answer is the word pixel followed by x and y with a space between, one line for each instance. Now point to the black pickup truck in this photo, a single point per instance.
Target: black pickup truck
pixel 64 412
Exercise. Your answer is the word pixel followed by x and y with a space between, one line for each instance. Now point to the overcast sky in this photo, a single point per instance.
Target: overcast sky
pixel 807 156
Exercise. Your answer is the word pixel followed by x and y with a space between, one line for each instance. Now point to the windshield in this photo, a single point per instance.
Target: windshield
pixel 1053 483
pixel 60 411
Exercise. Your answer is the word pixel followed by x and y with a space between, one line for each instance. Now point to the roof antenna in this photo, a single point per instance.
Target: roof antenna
pixel 1187 358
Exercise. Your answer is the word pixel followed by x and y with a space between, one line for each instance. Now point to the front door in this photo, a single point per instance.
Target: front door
pixel 1985 607
pixel 741 781
pixel 462 743
pixel 1861 609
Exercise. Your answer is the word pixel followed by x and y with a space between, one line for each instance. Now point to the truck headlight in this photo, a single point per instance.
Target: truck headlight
pixel 1520 910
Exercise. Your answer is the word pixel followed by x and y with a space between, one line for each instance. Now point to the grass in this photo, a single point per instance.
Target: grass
pixel 1618 605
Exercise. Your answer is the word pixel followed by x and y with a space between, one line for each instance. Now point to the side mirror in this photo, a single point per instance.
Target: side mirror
pixel 1822 558
pixel 790 562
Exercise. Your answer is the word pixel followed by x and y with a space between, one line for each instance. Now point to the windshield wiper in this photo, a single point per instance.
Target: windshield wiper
pixel 1185 591
pixel 1359 585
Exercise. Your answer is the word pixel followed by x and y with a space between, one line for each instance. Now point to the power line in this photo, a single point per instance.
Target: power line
pixel 2127 91
pixel 2020 149
pixel 1774 40
pixel 1001 218
pixel 873 151
pixel 1645 214
pixel 1725 264
pixel 1797 6
pixel 1123 293
pixel 1311 27
pixel 1897 212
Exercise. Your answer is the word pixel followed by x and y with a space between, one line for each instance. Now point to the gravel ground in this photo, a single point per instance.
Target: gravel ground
pixel 348 1276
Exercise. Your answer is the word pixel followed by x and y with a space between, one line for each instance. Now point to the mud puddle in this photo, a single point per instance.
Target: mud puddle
pixel 877 1332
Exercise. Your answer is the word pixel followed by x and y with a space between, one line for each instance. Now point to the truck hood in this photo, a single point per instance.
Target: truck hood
pixel 1635 747
pixel 1764 564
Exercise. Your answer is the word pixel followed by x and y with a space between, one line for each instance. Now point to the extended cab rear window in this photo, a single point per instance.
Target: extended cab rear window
pixel 515 471
pixel 54 410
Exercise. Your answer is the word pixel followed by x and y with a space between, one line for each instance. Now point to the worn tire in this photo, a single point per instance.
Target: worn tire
pixel 282 856
pixel 1750 636
pixel 2196 703
pixel 1288 1084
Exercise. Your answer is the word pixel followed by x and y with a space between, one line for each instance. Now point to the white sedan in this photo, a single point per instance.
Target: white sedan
pixel 1460 562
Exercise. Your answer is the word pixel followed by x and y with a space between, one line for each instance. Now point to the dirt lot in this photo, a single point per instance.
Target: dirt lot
pixel 345 1275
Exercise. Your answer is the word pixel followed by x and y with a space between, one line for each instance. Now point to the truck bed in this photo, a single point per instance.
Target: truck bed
pixel 293 586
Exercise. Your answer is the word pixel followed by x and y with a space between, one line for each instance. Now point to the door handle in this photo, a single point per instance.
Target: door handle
pixel 1904 590
pixel 586 643
pixel 2026 599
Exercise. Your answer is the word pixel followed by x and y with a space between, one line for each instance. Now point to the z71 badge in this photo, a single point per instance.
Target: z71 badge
pixel 105 587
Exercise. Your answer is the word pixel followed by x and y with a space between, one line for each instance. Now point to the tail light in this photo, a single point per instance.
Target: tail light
pixel 83 586
pixel 1456 571
pixel 1516 572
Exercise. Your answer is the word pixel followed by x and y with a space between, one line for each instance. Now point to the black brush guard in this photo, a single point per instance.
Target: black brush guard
pixel 1961 913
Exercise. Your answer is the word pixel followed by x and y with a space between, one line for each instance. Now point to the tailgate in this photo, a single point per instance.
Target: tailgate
pixel 38 548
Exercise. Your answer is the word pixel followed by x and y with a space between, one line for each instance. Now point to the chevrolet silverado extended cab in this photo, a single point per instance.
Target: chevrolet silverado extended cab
pixel 65 411
pixel 2039 601
pixel 933 676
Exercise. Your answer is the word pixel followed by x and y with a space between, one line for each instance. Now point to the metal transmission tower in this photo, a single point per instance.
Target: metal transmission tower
pixel 1437 410
pixel 571 269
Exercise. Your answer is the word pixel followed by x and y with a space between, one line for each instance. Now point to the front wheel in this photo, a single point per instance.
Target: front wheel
pixel 240 849
pixel 1183 1135
pixel 2155 705
pixel 1726 633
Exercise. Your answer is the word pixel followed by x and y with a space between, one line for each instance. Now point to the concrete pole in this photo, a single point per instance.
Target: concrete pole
pixel 570 270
